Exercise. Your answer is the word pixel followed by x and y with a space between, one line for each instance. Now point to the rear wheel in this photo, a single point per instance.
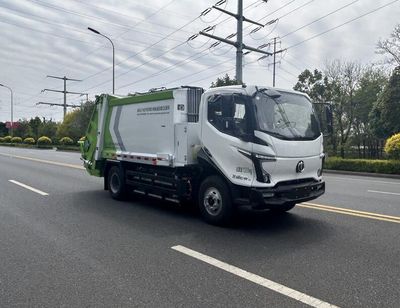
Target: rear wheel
pixel 116 183
pixel 214 201
pixel 283 208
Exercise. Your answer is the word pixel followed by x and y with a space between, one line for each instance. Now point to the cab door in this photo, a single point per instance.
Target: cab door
pixel 225 136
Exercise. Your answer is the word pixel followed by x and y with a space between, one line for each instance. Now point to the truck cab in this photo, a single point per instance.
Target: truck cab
pixel 265 142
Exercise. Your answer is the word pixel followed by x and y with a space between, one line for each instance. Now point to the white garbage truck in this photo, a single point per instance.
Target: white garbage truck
pixel 222 148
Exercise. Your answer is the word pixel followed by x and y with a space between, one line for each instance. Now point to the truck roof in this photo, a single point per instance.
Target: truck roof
pixel 251 89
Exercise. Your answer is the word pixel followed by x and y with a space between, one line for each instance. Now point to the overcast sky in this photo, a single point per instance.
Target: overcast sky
pixel 45 37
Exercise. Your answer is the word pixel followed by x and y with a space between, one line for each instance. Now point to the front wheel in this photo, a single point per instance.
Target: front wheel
pixel 214 201
pixel 116 183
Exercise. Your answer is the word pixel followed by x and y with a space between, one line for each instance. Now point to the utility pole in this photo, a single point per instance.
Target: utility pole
pixel 274 64
pixel 275 52
pixel 240 46
pixel 273 71
pixel 65 92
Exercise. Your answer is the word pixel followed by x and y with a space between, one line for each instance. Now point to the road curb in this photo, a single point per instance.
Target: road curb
pixel 374 175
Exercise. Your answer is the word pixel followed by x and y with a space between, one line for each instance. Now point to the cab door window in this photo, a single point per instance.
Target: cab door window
pixel 227 113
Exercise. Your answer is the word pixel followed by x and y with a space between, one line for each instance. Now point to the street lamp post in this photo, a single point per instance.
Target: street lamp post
pixel 12 108
pixel 97 32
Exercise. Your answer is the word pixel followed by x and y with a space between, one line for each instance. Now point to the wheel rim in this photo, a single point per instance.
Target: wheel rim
pixel 212 201
pixel 115 183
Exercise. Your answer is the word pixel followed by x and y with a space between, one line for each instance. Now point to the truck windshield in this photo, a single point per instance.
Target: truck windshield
pixel 290 116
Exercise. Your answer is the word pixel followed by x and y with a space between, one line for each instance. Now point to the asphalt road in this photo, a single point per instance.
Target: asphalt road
pixel 76 247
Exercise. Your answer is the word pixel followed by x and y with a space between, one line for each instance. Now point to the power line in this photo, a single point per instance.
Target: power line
pixel 148 47
pixel 165 11
pixel 48 33
pixel 322 33
pixel 172 67
pixel 276 20
pixel 291 64
pixel 154 58
pixel 178 64
pixel 343 24
pixel 203 51
pixel 198 72
pixel 68 26
pixel 320 18
pixel 130 28
pixel 61 9
pixel 119 14
pixel 273 12
pixel 81 58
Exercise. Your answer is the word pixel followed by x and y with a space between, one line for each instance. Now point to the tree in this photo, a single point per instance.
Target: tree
pixel 344 78
pixel 3 129
pixel 35 125
pixel 224 81
pixel 318 88
pixel 385 113
pixel 23 129
pixel 371 84
pixel 48 128
pixel 391 47
pixel 315 85
pixel 85 116
pixel 69 127
pixel 76 122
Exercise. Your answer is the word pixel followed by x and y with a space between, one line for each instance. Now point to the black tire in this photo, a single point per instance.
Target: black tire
pixel 280 209
pixel 116 183
pixel 215 202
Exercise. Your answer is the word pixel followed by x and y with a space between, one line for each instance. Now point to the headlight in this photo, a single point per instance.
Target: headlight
pixel 265 157
pixel 266 176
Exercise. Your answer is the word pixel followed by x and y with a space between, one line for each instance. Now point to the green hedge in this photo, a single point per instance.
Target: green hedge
pixel 44 140
pixel 66 141
pixel 29 140
pixel 363 165
pixel 16 140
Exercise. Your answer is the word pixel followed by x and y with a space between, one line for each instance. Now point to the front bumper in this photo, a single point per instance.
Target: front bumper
pixel 286 193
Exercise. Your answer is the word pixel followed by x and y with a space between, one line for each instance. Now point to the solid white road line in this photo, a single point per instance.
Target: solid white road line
pixel 383 192
pixel 266 283
pixel 29 188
